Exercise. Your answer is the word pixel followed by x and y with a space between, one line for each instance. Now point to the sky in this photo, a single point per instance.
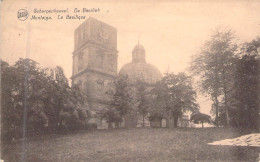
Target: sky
pixel 170 31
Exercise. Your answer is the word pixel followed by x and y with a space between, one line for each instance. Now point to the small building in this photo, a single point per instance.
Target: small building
pixel 166 122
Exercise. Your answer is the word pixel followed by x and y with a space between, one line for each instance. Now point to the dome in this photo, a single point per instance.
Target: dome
pixel 139 70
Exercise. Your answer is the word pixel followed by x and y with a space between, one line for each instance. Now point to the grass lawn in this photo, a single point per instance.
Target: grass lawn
pixel 140 144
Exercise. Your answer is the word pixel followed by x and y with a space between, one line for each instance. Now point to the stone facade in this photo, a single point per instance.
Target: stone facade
pixel 95 63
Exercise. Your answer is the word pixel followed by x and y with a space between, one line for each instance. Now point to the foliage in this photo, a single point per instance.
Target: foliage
pixel 200 118
pixel 142 100
pixel 156 117
pixel 246 90
pixel 232 80
pixel 38 97
pixel 214 64
pixel 174 95
pixel 112 116
pixel 121 102
pixel 74 112
pixel 11 113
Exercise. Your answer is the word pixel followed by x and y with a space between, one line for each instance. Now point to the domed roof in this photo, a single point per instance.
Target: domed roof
pixel 139 70
pixel 144 72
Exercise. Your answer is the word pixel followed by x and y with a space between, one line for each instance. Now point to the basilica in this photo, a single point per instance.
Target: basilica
pixel 95 68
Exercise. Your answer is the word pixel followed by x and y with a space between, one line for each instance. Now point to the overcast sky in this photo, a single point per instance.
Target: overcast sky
pixel 170 31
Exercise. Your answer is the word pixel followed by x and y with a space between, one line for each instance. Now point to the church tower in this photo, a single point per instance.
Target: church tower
pixel 95 62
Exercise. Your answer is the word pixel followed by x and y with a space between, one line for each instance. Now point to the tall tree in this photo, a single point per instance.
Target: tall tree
pixel 120 105
pixel 24 85
pixel 67 106
pixel 246 92
pixel 57 95
pixel 142 99
pixel 175 95
pixel 214 64
pixel 11 115
pixel 36 97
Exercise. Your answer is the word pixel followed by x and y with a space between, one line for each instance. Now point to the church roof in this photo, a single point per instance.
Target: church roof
pixel 138 69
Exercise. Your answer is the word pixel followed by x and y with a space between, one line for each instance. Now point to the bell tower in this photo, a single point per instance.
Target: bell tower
pixel 95 62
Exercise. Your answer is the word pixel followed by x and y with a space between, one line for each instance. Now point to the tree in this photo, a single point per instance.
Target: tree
pixel 142 99
pixel 22 109
pixel 214 65
pixel 174 95
pixel 121 102
pixel 246 91
pixel 112 115
pixel 160 101
pixel 200 118
pixel 11 111
pixel 57 95
pixel 67 106
pixel 30 89
pixel 74 112
pixel 33 99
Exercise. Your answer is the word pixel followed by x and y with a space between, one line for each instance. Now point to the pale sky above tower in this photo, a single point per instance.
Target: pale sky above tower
pixel 170 31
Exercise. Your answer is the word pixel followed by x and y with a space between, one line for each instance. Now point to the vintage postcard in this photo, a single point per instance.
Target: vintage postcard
pixel 96 80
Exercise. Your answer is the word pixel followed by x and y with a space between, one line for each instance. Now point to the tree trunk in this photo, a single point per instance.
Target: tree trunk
pixel 202 124
pixel 216 105
pixel 226 112
pixel 175 121
pixel 216 89
pixel 225 98
pixel 143 121
pixel 257 111
pixel 170 116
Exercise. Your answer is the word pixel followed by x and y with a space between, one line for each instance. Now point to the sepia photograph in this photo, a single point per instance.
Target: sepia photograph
pixel 129 81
